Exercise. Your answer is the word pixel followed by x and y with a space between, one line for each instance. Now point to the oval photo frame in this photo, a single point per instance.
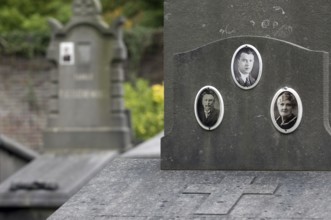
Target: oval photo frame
pixel 209 101
pixel 246 66
pixel 286 110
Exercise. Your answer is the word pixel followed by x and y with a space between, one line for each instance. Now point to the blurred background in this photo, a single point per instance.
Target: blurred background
pixel 25 72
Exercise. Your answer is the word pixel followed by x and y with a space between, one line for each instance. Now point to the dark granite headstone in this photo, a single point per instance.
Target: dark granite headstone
pixel 86 104
pixel 189 24
pixel 247 138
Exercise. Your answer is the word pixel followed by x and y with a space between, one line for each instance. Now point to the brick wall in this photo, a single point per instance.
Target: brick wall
pixel 23 99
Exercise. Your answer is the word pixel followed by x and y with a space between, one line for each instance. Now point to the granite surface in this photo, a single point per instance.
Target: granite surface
pixel 138 189
pixel 148 149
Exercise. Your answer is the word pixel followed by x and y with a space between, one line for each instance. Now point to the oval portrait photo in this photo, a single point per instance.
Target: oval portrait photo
pixel 209 108
pixel 286 110
pixel 246 66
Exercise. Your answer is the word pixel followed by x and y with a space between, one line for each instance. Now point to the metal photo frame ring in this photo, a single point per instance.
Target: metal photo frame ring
pixel 255 72
pixel 216 117
pixel 294 121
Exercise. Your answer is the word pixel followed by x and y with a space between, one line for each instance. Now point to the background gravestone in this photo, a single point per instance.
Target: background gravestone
pixel 86 104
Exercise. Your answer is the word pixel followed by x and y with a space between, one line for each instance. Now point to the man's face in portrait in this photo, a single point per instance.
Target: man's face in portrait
pixel 245 63
pixel 208 102
pixel 284 107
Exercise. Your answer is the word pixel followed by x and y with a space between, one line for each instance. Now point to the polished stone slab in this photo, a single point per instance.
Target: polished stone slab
pixel 138 189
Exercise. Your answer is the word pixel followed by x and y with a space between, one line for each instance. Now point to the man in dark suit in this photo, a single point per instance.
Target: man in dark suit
pixel 286 103
pixel 245 63
pixel 208 114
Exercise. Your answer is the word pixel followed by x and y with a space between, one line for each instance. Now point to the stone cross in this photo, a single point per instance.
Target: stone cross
pixel 224 196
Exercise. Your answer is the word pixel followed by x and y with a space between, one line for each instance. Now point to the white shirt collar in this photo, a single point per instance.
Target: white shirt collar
pixel 207 113
pixel 243 76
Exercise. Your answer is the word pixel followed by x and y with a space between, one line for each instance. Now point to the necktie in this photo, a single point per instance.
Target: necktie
pixel 247 82
pixel 207 113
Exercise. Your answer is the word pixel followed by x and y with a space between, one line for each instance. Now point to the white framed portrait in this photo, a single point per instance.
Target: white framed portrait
pixel 209 108
pixel 286 110
pixel 246 66
pixel 67 55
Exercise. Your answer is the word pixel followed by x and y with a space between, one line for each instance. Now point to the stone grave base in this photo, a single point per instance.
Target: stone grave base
pixel 137 189
pixel 98 138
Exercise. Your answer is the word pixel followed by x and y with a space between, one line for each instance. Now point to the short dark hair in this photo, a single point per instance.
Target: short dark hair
pixel 247 50
pixel 208 91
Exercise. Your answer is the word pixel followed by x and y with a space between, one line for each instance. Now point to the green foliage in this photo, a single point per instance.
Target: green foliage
pixel 25 44
pixel 152 18
pixel 146 13
pixel 59 10
pixel 23 28
pixel 136 40
pixel 35 22
pixel 11 19
pixel 29 17
pixel 147 108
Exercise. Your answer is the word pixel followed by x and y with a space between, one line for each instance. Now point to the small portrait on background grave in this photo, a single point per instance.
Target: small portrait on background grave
pixel 67 53
pixel 246 66
pixel 286 110
pixel 209 107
